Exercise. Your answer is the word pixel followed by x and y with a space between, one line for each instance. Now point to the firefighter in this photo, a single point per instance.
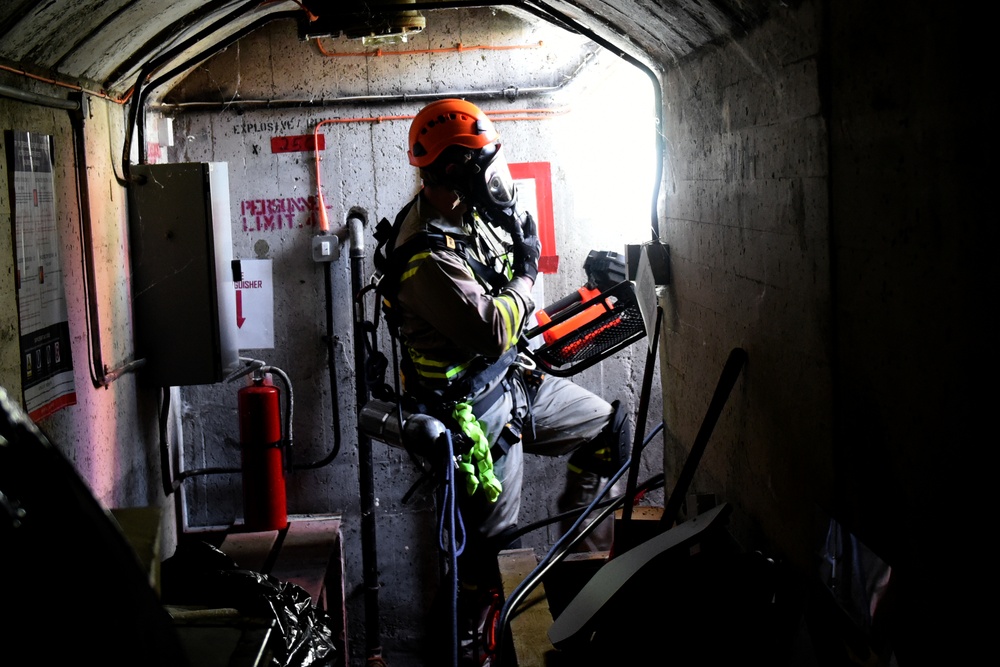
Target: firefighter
pixel 460 297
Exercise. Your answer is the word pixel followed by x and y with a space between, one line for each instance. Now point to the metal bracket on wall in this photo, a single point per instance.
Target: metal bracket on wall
pixel 649 266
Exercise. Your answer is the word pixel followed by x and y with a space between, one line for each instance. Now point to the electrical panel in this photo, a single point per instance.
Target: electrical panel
pixel 182 284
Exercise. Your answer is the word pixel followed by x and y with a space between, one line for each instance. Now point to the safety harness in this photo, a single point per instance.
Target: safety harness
pixel 451 405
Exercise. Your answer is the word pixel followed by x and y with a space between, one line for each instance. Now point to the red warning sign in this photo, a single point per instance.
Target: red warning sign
pixel 296 144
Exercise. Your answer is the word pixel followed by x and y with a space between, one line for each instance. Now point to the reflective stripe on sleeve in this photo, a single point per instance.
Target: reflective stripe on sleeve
pixel 413 265
pixel 510 310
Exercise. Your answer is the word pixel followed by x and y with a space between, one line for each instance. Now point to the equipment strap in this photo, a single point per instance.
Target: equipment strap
pixel 481 379
pixel 511 432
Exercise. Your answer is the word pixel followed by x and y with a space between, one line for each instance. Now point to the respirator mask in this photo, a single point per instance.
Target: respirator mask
pixel 485 181
pixel 497 191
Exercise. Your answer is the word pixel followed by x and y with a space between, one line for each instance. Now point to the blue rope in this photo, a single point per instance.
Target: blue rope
pixel 448 528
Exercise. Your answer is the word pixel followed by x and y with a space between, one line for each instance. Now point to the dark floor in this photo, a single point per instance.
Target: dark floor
pixel 699 602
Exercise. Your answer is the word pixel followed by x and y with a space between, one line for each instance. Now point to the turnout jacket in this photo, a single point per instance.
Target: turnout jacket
pixel 452 322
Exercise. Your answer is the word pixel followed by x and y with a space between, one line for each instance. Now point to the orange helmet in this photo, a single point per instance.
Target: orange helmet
pixel 449 122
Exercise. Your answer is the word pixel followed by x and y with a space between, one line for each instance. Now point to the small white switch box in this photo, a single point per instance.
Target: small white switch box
pixel 325 248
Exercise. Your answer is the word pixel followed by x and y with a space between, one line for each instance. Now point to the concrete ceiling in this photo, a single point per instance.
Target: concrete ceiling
pixel 106 44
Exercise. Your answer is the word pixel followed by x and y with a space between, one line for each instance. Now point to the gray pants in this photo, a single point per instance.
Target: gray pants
pixel 565 416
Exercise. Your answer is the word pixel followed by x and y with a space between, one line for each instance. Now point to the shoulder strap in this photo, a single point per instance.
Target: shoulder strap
pixel 385 234
pixel 488 274
pixel 389 259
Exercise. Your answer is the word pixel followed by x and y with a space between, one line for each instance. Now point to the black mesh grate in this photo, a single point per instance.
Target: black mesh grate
pixel 597 337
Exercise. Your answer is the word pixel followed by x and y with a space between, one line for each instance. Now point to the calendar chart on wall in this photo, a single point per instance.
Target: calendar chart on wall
pixel 46 361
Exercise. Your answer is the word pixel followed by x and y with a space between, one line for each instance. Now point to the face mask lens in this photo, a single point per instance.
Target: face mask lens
pixel 501 191
pixel 499 183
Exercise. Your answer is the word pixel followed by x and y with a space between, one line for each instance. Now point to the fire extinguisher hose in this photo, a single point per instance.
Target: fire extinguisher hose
pixel 253 364
pixel 289 407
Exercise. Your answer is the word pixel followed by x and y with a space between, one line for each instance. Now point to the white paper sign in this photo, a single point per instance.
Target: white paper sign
pixel 46 363
pixel 254 305
pixel 527 201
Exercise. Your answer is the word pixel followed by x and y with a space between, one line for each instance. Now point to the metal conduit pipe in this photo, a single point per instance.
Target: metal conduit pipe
pixel 100 374
pixel 141 92
pixel 366 468
pixel 510 93
pixel 35 98
pixel 331 362
pixel 165 36
pixel 356 233
pixel 458 48
pixel 62 84
pixel 87 247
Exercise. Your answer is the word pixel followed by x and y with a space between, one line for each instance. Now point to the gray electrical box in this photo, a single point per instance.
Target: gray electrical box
pixel 182 282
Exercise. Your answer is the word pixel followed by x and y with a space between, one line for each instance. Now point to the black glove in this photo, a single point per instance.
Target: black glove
pixel 527 248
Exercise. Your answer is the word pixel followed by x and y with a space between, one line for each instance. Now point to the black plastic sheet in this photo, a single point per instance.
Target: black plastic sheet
pixel 199 574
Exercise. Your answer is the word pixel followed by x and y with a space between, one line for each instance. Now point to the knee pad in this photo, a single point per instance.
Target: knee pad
pixel 608 452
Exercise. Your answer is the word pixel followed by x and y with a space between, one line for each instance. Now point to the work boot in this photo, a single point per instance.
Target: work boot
pixel 478 616
pixel 580 490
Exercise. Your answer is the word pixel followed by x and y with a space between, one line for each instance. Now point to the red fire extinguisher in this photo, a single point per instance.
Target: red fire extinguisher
pixel 264 499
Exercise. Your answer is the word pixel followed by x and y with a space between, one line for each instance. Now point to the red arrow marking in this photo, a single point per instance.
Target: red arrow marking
pixel 239 310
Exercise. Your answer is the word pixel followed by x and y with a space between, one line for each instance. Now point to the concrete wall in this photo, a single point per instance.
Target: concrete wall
pixel 110 434
pixel 746 221
pixel 815 220
pixel 602 171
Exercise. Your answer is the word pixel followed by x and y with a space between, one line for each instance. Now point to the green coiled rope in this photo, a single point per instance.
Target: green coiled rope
pixel 477 463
